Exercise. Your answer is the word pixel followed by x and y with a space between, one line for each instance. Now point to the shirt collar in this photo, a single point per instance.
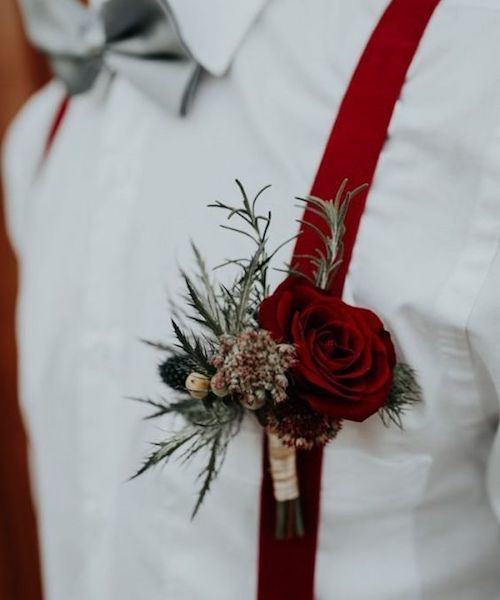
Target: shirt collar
pixel 213 30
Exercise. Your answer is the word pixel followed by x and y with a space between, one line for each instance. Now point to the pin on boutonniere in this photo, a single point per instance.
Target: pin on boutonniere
pixel 300 359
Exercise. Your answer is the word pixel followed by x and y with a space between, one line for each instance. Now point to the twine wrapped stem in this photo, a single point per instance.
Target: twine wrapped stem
pixel 282 460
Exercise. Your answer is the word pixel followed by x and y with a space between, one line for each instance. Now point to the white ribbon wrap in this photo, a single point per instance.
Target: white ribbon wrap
pixel 283 469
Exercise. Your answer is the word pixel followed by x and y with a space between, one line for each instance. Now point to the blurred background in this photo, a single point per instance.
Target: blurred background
pixel 22 71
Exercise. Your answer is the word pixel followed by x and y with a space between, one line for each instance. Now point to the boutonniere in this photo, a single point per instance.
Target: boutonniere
pixel 300 360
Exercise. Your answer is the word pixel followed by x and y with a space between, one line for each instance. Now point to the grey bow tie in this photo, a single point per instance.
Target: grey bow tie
pixel 136 38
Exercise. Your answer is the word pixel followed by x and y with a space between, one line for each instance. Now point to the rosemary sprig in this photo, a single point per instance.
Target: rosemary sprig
pixel 331 213
pixel 251 287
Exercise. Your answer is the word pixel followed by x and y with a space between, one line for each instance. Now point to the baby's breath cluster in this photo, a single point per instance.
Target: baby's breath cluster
pixel 253 366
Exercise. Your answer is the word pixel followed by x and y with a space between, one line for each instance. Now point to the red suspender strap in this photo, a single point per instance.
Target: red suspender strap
pixel 56 123
pixel 286 568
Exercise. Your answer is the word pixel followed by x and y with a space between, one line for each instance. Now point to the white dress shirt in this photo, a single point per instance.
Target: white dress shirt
pixel 103 224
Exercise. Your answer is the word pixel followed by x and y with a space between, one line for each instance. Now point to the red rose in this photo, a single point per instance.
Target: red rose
pixel 345 356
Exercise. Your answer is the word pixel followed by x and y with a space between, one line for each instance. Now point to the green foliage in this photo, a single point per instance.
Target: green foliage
pixel 195 349
pixel 217 309
pixel 239 303
pixel 331 213
pixel 404 393
pixel 205 429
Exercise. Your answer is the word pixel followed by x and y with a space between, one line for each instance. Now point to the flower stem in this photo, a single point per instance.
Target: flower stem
pixel 280 520
pixel 289 522
pixel 298 521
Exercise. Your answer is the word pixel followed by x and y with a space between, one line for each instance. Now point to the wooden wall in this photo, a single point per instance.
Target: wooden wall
pixel 21 72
